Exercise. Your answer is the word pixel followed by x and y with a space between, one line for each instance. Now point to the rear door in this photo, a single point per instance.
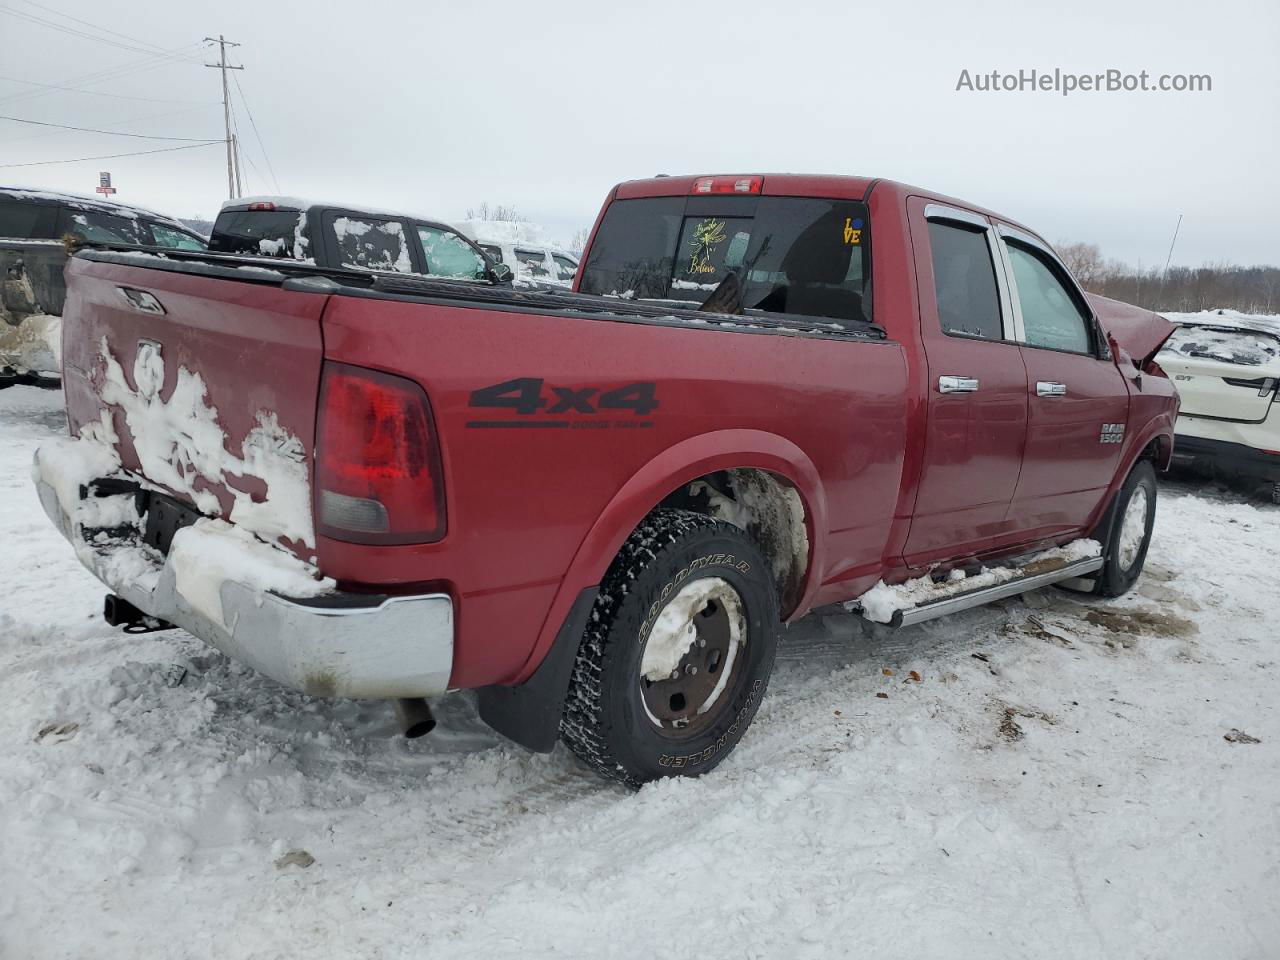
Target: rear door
pixel 1078 399
pixel 977 387
pixel 1222 372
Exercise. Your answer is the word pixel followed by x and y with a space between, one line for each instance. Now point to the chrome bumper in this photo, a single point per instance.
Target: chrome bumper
pixel 339 645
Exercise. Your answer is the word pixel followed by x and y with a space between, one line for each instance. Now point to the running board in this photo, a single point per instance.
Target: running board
pixel 976 598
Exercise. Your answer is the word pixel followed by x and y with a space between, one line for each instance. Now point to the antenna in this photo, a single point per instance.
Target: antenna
pixel 233 175
pixel 1169 259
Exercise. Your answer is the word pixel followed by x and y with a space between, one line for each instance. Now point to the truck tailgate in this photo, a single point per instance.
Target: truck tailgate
pixel 210 378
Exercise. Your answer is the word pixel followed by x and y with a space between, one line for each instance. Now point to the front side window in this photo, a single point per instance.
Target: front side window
pixel 494 251
pixel 793 255
pixel 566 269
pixel 448 255
pixel 96 226
pixel 964 281
pixel 532 263
pixel 174 239
pixel 21 220
pixel 370 244
pixel 1051 317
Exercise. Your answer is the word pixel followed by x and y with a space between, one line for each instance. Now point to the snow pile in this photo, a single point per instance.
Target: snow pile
pixel 883 600
pixel 34 345
pixel 502 231
pixel 209 552
pixel 673 632
pixel 180 442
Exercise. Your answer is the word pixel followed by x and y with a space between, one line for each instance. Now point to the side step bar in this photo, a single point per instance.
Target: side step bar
pixel 975 598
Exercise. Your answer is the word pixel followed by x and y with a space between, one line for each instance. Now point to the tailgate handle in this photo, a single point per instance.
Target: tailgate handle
pixel 957 385
pixel 1046 388
pixel 141 300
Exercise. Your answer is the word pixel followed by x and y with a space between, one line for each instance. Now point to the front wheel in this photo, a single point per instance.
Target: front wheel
pixel 677 652
pixel 1125 549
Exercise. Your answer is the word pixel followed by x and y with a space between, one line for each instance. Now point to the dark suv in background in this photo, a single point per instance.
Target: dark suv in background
pixel 33 227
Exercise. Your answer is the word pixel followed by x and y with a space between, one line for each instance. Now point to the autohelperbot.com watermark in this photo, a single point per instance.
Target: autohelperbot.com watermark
pixel 1065 82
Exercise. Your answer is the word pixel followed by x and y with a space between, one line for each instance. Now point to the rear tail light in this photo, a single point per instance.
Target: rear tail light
pixel 378 475
pixel 727 185
pixel 262 205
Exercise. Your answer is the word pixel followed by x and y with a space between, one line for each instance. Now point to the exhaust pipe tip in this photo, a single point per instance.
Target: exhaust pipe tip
pixel 414 717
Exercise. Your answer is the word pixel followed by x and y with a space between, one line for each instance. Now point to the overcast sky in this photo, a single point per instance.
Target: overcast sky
pixel 434 107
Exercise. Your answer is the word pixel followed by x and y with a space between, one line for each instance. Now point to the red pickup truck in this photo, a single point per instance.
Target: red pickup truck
pixel 598 508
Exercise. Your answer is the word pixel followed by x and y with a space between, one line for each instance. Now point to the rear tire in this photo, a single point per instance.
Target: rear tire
pixel 1125 550
pixel 677 653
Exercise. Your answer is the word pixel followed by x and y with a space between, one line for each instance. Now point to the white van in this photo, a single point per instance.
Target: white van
pixel 521 247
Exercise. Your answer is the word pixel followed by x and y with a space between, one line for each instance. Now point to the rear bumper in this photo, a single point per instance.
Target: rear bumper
pixel 1226 458
pixel 335 645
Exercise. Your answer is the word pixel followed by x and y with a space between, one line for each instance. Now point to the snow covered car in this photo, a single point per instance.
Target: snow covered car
pixel 346 237
pixel 33 224
pixel 520 245
pixel 598 511
pixel 1226 366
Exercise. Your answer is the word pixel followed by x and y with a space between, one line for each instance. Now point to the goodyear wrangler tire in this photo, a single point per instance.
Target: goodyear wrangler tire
pixel 677 652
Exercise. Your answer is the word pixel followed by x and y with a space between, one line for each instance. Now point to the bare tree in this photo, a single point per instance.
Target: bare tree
pixel 499 211
pixel 1084 260
pixel 578 242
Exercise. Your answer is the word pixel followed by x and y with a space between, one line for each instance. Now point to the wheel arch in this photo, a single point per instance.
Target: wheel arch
pixel 676 468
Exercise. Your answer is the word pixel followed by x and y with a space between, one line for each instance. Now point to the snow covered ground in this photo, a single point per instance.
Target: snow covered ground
pixel 1056 783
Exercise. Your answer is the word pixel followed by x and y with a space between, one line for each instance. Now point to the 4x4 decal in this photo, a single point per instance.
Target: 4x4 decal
pixel 536 403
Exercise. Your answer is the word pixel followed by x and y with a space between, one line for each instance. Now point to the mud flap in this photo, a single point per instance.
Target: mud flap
pixel 529 714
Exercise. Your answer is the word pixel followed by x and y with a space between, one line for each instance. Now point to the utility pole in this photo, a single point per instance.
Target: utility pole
pixel 232 173
pixel 235 144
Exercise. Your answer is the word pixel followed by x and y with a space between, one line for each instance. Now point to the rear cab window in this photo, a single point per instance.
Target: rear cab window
pixel 793 255
pixel 262 233
pixel 1239 347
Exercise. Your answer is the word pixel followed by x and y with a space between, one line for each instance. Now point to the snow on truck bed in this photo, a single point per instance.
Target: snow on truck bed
pixel 1056 784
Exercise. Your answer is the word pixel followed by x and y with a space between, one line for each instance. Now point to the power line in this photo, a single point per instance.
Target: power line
pixel 112 156
pixel 114 33
pixel 32 18
pixel 99 93
pixel 98 76
pixel 253 123
pixel 112 133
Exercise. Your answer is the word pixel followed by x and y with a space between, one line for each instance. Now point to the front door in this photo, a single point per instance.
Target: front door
pixel 1079 402
pixel 977 399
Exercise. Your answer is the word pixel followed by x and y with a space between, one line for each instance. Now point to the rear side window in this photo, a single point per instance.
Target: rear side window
pixel 371 244
pixel 532 263
pixel 794 255
pixel 21 220
pixel 1050 315
pixel 174 239
pixel 448 255
pixel 99 227
pixel 262 233
pixel 964 282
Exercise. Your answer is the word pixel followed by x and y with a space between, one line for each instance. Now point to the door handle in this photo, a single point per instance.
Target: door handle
pixel 957 385
pixel 1046 388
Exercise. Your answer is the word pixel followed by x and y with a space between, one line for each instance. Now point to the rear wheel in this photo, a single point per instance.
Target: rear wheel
pixel 1125 550
pixel 677 652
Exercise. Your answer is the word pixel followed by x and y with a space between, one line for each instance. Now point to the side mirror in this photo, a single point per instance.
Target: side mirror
pixel 500 273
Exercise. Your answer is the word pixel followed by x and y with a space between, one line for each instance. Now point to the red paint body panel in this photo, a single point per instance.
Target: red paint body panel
pixel 891 474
